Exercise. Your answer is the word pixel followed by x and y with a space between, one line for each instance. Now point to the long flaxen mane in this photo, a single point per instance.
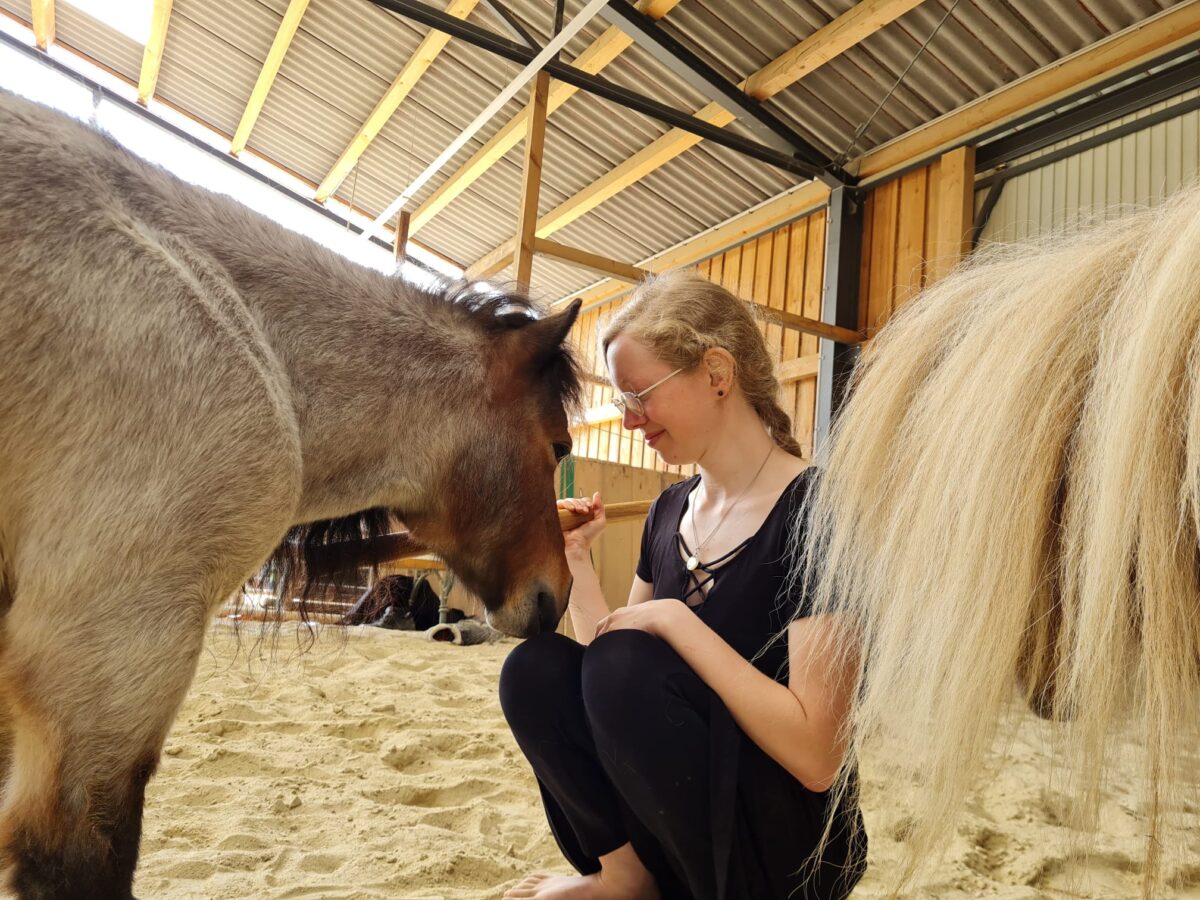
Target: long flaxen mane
pixel 315 559
pixel 1009 508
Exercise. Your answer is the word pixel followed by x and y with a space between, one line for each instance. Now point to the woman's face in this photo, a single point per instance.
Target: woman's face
pixel 680 414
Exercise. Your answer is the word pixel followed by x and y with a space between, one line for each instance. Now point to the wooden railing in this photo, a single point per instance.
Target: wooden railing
pixel 403 551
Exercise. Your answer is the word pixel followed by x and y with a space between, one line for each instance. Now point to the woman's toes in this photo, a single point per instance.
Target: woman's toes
pixel 525 887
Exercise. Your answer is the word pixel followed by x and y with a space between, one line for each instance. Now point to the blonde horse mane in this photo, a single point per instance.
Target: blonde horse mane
pixel 1009 507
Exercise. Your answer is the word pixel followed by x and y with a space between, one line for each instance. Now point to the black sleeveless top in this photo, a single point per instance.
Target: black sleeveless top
pixel 749 607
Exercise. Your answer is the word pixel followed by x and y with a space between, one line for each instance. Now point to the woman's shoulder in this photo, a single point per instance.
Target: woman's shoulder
pixel 804 481
pixel 679 489
pixel 671 499
pixel 795 500
pixel 798 488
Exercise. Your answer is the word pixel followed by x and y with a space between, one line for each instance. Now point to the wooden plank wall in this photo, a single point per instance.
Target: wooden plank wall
pixel 916 229
pixel 780 270
pixel 615 553
pixel 899 244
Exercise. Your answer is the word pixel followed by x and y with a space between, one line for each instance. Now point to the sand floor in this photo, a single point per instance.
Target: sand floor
pixel 377 764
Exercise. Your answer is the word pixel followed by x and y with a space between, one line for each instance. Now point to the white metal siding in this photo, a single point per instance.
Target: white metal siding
pixel 1104 183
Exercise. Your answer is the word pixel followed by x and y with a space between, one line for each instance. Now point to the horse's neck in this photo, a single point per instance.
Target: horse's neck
pixel 345 338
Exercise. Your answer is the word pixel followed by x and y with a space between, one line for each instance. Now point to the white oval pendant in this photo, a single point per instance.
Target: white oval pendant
pixel 692 563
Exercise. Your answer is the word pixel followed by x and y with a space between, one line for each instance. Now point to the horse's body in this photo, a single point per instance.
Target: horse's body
pixel 182 381
pixel 1010 508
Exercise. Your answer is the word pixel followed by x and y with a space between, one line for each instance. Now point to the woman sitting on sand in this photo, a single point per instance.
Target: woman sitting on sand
pixel 676 756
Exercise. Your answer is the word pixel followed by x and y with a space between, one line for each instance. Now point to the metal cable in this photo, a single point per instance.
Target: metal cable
pixel 844 156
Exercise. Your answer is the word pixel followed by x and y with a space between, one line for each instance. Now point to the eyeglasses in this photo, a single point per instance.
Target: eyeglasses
pixel 628 401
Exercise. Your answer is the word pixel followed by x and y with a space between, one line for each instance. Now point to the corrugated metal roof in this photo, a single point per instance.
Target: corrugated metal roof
pixel 983 45
pixel 347 52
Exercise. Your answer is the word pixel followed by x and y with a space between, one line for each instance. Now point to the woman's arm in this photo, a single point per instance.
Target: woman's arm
pixel 587 605
pixel 797 724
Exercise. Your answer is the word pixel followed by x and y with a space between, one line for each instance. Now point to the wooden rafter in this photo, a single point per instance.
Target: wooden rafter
pixel 843 32
pixel 590 261
pixel 531 178
pixel 607 47
pixel 424 56
pixel 153 54
pixel 848 29
pixel 43 23
pixel 258 96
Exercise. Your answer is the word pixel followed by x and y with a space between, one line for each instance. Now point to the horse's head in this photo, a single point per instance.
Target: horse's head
pixel 490 511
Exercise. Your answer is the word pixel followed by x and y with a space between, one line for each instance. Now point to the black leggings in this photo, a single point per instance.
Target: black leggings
pixel 618 735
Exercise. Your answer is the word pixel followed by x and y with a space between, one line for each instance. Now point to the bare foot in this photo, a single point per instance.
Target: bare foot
pixel 580 887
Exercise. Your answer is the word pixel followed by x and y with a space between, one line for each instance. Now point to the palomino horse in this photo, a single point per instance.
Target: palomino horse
pixel 182 382
pixel 1010 508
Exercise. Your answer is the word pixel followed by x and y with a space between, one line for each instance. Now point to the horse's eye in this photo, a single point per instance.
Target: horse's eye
pixel 561 452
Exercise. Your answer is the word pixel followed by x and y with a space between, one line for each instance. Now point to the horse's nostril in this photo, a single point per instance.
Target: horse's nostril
pixel 547 611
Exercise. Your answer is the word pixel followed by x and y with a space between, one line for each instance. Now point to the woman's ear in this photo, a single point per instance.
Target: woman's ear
pixel 720 366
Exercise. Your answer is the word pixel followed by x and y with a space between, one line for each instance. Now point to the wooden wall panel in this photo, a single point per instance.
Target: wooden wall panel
pixel 779 270
pixel 615 553
pixel 914 231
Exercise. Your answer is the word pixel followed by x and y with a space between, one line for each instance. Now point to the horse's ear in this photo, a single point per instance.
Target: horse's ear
pixel 546 336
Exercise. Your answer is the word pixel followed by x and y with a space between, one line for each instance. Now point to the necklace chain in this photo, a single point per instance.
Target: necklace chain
pixel 694 560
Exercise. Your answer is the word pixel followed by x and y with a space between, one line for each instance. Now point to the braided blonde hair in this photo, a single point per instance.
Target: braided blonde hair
pixel 680 315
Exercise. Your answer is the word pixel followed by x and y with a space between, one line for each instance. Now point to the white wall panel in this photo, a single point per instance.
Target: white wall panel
pixel 1100 184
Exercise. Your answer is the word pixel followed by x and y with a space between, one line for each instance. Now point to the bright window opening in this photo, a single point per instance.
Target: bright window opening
pixel 30 78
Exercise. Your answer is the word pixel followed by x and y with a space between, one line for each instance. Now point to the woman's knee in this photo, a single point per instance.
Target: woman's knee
pixel 630 677
pixel 540 673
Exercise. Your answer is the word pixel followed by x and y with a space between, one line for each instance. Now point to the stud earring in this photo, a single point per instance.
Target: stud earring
pixel 720 393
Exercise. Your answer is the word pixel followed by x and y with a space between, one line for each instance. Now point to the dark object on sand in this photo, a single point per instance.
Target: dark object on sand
pixel 397 602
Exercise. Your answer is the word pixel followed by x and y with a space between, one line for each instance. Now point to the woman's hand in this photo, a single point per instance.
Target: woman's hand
pixel 579 540
pixel 656 617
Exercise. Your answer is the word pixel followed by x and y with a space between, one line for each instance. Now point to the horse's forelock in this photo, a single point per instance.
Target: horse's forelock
pixel 496 311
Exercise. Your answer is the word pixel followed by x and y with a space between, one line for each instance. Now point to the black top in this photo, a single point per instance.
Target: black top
pixel 748 607
pixel 746 603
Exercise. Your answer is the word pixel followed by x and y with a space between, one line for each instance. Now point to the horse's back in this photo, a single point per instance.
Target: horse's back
pixel 134 381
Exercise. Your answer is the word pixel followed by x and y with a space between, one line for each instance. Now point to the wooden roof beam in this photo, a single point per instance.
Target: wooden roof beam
pixel 591 261
pixel 607 47
pixel 43 23
pixel 848 29
pixel 422 58
pixel 153 54
pixel 843 32
pixel 258 96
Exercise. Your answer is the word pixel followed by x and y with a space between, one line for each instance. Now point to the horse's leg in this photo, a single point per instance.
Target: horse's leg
pixel 93 675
